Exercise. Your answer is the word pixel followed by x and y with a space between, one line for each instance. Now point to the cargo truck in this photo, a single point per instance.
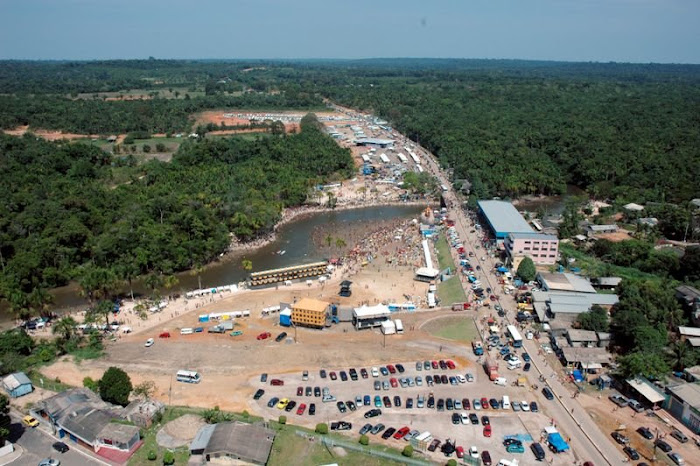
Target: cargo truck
pixel 478 349
pixel 491 368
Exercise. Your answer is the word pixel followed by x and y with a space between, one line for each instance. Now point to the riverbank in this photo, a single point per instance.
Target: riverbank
pixel 292 214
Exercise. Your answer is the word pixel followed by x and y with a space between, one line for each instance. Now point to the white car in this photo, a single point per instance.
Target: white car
pixel 473 452
pixel 470 377
pixel 461 379
pixel 149 342
pixel 50 462
pixel 464 418
pixel 525 405
pixel 375 372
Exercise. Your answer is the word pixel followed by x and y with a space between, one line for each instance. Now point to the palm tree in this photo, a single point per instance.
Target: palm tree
pixel 64 328
pixel 340 244
pixel 329 241
pixel 197 270
pixel 247 264
pixel 170 282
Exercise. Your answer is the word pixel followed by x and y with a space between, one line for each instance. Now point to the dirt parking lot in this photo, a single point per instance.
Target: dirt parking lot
pixel 524 425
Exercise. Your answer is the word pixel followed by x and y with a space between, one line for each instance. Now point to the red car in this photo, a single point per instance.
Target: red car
pixel 451 364
pixel 394 383
pixel 277 382
pixel 434 364
pixel 164 335
pixel 300 391
pixel 493 297
pixel 487 430
pixel 333 376
pixel 301 409
pixel 486 458
pixel 460 452
pixel 264 336
pixel 401 433
pixel 391 369
pixel 484 403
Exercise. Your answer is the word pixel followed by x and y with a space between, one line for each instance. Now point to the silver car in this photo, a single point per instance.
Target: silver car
pixel 419 381
pixel 385 385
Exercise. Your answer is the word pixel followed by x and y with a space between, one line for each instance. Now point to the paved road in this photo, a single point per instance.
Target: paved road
pixel 587 441
pixel 37 446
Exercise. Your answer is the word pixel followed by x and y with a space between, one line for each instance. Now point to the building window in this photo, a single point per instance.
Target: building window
pixel 527 249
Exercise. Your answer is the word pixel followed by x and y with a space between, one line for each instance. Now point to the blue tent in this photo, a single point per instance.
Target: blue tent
pixel 578 376
pixel 557 442
pixel 502 269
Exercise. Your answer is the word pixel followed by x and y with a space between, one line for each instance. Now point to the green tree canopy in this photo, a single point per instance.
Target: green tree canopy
pixel 596 320
pixel 526 270
pixel 115 386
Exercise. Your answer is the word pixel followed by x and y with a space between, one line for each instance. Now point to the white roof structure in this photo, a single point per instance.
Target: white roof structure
pixel 427 272
pixel 366 312
pixel 565 282
pixel 633 207
pixel 646 390
pixel 689 331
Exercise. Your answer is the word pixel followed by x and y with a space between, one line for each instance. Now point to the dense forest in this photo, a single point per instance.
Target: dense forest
pixel 624 131
pixel 64 218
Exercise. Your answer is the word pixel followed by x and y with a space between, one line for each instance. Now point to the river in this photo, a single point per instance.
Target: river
pixel 294 238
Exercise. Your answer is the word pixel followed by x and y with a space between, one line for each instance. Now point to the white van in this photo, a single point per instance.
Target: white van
pixel 505 402
pixel 502 381
pixel 512 365
pixel 187 331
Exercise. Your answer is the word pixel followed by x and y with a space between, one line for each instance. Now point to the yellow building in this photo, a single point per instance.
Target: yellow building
pixel 309 312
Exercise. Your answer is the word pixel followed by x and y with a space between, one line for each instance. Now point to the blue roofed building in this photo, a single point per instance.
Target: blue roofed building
pixel 17 384
pixel 503 218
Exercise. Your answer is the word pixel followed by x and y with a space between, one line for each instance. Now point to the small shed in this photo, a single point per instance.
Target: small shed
pixel 17 384
pixel 286 317
pixel 388 327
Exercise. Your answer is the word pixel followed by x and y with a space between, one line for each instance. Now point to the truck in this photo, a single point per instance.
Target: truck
pixel 477 348
pixel 491 368
pixel 399 326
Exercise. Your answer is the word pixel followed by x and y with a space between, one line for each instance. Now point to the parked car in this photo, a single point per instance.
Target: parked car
pixel 317 391
pixel 341 425
pixel 486 458
pixel 366 428
pixel 273 401
pixel 301 409
pixel 474 419
pixel 401 433
pixel 312 409
pixel 148 344
pixel 290 406
pixel 388 433
pixel 300 391
pixel 548 393
pixel 341 407
pixel 631 452
pixel 433 445
pixel 333 375
pixel 343 376
pixel 277 382
pixel 538 451
pixel 259 394
pixel 676 458
pixel 263 377
pixel 533 407
pixel 264 336
pixel 353 373
pixel 515 448
pixel 363 373
pixel 322 373
pixel 373 413
pixel 164 335
pixel 635 405
pixel 487 430
pixel 281 337
pixel 30 421
pixel 620 438
pixel 376 429
pixel 400 368
pixel 646 433
pixel 60 447
pixel 663 446
pixel 485 420
pixel 678 435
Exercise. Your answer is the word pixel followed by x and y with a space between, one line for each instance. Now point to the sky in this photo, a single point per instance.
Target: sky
pixel 642 31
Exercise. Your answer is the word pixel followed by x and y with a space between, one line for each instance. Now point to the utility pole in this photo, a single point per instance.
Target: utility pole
pixel 653 456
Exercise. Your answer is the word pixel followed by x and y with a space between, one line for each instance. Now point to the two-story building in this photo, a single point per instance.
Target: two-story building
pixel 541 248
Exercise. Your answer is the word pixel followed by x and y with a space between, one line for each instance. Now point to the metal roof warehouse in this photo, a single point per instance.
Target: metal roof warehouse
pixel 503 218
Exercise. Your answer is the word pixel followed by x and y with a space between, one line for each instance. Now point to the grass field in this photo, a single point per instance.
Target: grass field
pixel 443 253
pixel 458 328
pixel 292 449
pixel 450 291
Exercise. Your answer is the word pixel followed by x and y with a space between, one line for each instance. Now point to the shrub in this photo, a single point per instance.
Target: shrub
pixel 452 462
pixel 364 440
pixel 89 382
pixel 322 429
pixel 152 456
pixel 282 420
pixel 407 451
pixel 168 458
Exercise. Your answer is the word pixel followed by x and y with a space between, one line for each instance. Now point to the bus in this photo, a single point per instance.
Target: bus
pixel 188 376
pixel 515 336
